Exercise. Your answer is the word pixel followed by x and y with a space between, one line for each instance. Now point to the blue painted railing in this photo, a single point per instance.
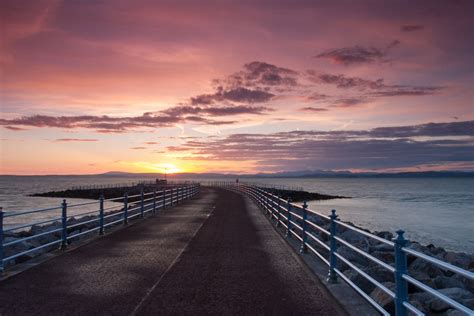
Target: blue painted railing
pixel 294 219
pixel 120 211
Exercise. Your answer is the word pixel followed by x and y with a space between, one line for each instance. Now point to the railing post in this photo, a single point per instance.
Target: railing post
pixel 265 202
pixel 64 225
pixel 163 196
pixel 154 201
pixel 171 197
pixel 332 276
pixel 142 203
pixel 2 267
pixel 101 214
pixel 401 288
pixel 304 248
pixel 125 209
pixel 288 218
pixel 272 208
pixel 278 224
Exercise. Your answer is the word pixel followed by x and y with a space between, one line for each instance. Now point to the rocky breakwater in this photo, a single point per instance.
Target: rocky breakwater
pixel 300 196
pixel 450 284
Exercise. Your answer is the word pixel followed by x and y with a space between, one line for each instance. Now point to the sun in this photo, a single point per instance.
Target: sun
pixel 166 168
pixel 145 166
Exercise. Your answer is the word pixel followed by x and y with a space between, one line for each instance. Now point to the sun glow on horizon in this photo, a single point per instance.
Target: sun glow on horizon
pixel 165 168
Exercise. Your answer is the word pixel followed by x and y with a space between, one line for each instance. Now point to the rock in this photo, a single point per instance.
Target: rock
pixel 420 266
pixel 460 259
pixel 381 247
pixel 421 301
pixel 351 256
pixel 436 251
pixel 469 302
pixel 454 312
pixel 387 257
pixel 384 235
pixel 379 273
pixel 317 220
pixel 419 306
pixel 455 293
pixel 15 248
pixel 443 282
pixel 355 239
pixel 385 300
pixel 360 281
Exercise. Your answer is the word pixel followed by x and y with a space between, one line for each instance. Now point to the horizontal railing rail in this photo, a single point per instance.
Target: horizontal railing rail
pixel 320 237
pixel 62 228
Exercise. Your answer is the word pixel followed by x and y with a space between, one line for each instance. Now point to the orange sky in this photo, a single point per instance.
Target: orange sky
pixel 144 86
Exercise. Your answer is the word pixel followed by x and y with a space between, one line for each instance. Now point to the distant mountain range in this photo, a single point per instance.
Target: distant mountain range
pixel 300 174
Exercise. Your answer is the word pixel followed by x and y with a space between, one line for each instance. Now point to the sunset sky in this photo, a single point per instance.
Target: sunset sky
pixel 236 86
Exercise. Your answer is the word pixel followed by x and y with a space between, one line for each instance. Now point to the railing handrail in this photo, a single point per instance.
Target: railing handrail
pixel 402 304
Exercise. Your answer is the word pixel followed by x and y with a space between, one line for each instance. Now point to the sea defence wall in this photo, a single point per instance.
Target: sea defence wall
pixel 395 276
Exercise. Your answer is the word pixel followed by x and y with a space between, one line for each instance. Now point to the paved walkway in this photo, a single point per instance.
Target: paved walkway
pixel 214 255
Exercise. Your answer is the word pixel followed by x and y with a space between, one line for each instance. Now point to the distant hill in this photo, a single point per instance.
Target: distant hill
pixel 298 174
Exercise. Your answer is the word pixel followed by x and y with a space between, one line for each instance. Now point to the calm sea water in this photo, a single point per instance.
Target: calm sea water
pixel 430 210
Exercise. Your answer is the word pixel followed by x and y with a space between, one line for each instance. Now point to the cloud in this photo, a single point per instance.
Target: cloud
pixel 15 128
pixel 165 118
pixel 353 55
pixel 216 110
pixel 240 95
pixel 138 147
pixel 76 140
pixel 151 143
pixel 357 54
pixel 317 97
pixel 348 102
pixel 377 87
pixel 399 91
pixel 383 147
pixel 411 28
pixel 261 75
pixel 313 109
pixel 344 82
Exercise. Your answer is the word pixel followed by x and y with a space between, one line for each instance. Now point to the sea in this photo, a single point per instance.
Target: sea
pixel 437 211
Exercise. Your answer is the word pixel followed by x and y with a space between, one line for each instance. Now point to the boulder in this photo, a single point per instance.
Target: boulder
pixel 443 282
pixel 383 299
pixel 351 256
pixel 420 266
pixel 355 239
pixel 385 235
pixel 454 312
pixel 360 281
pixel 455 293
pixel 387 257
pixel 422 301
pixel 381 247
pixel 317 220
pixel 460 259
pixel 379 273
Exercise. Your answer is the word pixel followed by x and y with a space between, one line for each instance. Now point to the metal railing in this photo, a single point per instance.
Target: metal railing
pixel 324 243
pixel 62 227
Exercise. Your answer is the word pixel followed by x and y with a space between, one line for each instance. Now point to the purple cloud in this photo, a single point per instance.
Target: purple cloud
pixel 384 147
pixel 76 140
pixel 313 109
pixel 411 28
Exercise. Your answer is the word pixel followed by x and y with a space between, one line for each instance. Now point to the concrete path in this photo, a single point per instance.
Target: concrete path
pixel 214 255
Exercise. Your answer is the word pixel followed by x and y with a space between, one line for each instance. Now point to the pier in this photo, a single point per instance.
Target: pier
pixel 215 248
